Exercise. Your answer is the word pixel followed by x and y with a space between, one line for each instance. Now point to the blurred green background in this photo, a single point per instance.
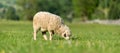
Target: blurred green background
pixel 69 10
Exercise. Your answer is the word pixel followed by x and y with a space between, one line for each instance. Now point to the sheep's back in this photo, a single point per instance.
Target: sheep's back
pixel 48 21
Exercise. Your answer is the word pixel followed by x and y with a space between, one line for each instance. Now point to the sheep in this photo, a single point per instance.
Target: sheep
pixel 51 23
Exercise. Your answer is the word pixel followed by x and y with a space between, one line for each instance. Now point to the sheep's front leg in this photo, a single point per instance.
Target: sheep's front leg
pixel 50 38
pixel 44 35
pixel 51 33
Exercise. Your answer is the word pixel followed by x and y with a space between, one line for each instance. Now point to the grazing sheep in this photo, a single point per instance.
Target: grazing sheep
pixel 52 23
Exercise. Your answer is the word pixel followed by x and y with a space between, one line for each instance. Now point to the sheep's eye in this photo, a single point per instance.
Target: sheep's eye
pixel 64 35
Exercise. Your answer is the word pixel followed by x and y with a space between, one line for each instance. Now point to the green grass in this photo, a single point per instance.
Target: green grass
pixel 16 37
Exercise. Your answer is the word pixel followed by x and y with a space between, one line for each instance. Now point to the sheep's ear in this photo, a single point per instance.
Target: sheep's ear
pixel 65 35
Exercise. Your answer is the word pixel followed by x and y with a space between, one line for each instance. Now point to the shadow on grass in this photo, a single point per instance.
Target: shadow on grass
pixel 72 38
pixel 75 38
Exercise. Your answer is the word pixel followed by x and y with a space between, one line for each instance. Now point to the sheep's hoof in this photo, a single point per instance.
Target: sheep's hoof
pixel 34 38
pixel 50 39
pixel 45 37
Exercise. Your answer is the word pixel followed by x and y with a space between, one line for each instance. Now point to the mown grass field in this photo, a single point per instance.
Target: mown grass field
pixel 16 37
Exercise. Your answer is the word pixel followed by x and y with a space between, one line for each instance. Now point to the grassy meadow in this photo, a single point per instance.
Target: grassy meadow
pixel 17 37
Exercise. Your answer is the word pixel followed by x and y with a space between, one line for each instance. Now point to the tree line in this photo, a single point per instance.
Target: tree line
pixel 67 9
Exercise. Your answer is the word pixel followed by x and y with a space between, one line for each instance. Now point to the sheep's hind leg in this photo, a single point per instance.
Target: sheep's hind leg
pixel 35 32
pixel 36 29
pixel 44 35
pixel 34 36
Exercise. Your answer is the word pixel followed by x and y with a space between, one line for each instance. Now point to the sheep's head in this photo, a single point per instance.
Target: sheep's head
pixel 67 33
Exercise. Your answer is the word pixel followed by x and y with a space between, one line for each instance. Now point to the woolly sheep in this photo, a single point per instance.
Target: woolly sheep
pixel 52 23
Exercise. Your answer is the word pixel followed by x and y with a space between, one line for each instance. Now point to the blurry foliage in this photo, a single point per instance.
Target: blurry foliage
pixel 83 8
pixel 98 15
pixel 114 12
pixel 10 14
pixel 67 9
pixel 30 7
